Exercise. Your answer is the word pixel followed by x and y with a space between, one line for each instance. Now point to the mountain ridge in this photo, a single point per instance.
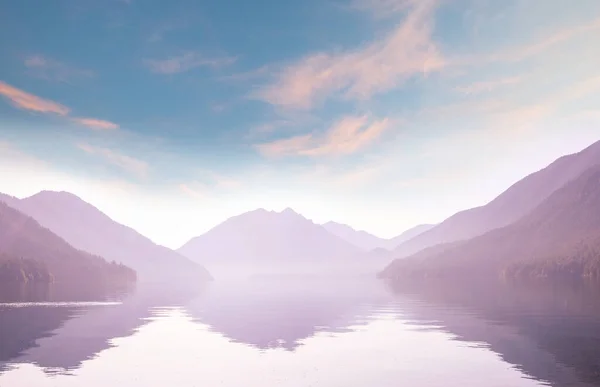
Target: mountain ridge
pixel 560 237
pixel 367 241
pixel 268 239
pixel 87 228
pixel 33 252
pixel 513 203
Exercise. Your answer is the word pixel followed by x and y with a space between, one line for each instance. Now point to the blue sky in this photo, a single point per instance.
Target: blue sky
pixel 382 114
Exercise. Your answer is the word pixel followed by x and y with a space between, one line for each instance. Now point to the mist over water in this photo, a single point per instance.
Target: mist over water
pixel 285 331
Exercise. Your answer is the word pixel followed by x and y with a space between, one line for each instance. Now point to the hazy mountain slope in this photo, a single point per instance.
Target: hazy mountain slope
pixel 514 203
pixel 368 242
pixel 409 234
pixel 268 238
pixel 560 237
pixel 35 252
pixel 87 228
pixel 358 238
pixel 10 200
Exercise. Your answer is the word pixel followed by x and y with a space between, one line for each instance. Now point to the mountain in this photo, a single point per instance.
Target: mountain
pixel 32 253
pixel 368 242
pixel 559 238
pixel 515 202
pixel 10 200
pixel 269 240
pixel 409 234
pixel 88 229
pixel 360 239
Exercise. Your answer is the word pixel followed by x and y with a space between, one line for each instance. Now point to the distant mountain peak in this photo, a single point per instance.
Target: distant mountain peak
pixel 268 239
pixel 63 196
pixel 289 211
pixel 55 193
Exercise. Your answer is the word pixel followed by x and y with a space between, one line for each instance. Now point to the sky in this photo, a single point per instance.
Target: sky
pixel 382 114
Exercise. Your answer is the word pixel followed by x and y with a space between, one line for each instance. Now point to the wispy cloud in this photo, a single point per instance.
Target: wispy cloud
pixel 347 136
pixel 52 70
pixel 23 100
pixel 379 66
pixel 95 123
pixel 487 86
pixel 185 62
pixel 26 101
pixel 127 163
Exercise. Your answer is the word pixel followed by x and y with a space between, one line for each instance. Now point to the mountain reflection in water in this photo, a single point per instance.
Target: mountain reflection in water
pixel 325 332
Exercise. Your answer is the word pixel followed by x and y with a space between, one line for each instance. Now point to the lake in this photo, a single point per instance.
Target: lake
pixel 292 332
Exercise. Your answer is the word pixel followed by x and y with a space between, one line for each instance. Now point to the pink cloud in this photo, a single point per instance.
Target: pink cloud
pixel 96 124
pixel 379 66
pixel 26 101
pixel 347 136
pixel 185 62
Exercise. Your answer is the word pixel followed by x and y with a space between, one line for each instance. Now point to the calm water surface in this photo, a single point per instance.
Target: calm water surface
pixel 305 333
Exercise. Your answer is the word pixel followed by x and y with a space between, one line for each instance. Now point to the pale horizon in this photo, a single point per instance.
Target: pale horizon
pixel 102 197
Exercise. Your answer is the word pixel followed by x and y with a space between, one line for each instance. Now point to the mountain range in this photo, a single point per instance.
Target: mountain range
pixel 272 241
pixel 515 202
pixel 559 238
pixel 368 242
pixel 32 253
pixel 88 229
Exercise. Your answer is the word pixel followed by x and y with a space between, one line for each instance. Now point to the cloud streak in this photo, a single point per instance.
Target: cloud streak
pixel 347 136
pixel 406 52
pixel 185 62
pixel 95 123
pixel 127 163
pixel 23 100
pixel 26 101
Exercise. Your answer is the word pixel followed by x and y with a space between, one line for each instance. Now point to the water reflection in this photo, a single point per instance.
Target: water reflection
pixel 57 334
pixel 272 332
pixel 548 330
pixel 279 313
